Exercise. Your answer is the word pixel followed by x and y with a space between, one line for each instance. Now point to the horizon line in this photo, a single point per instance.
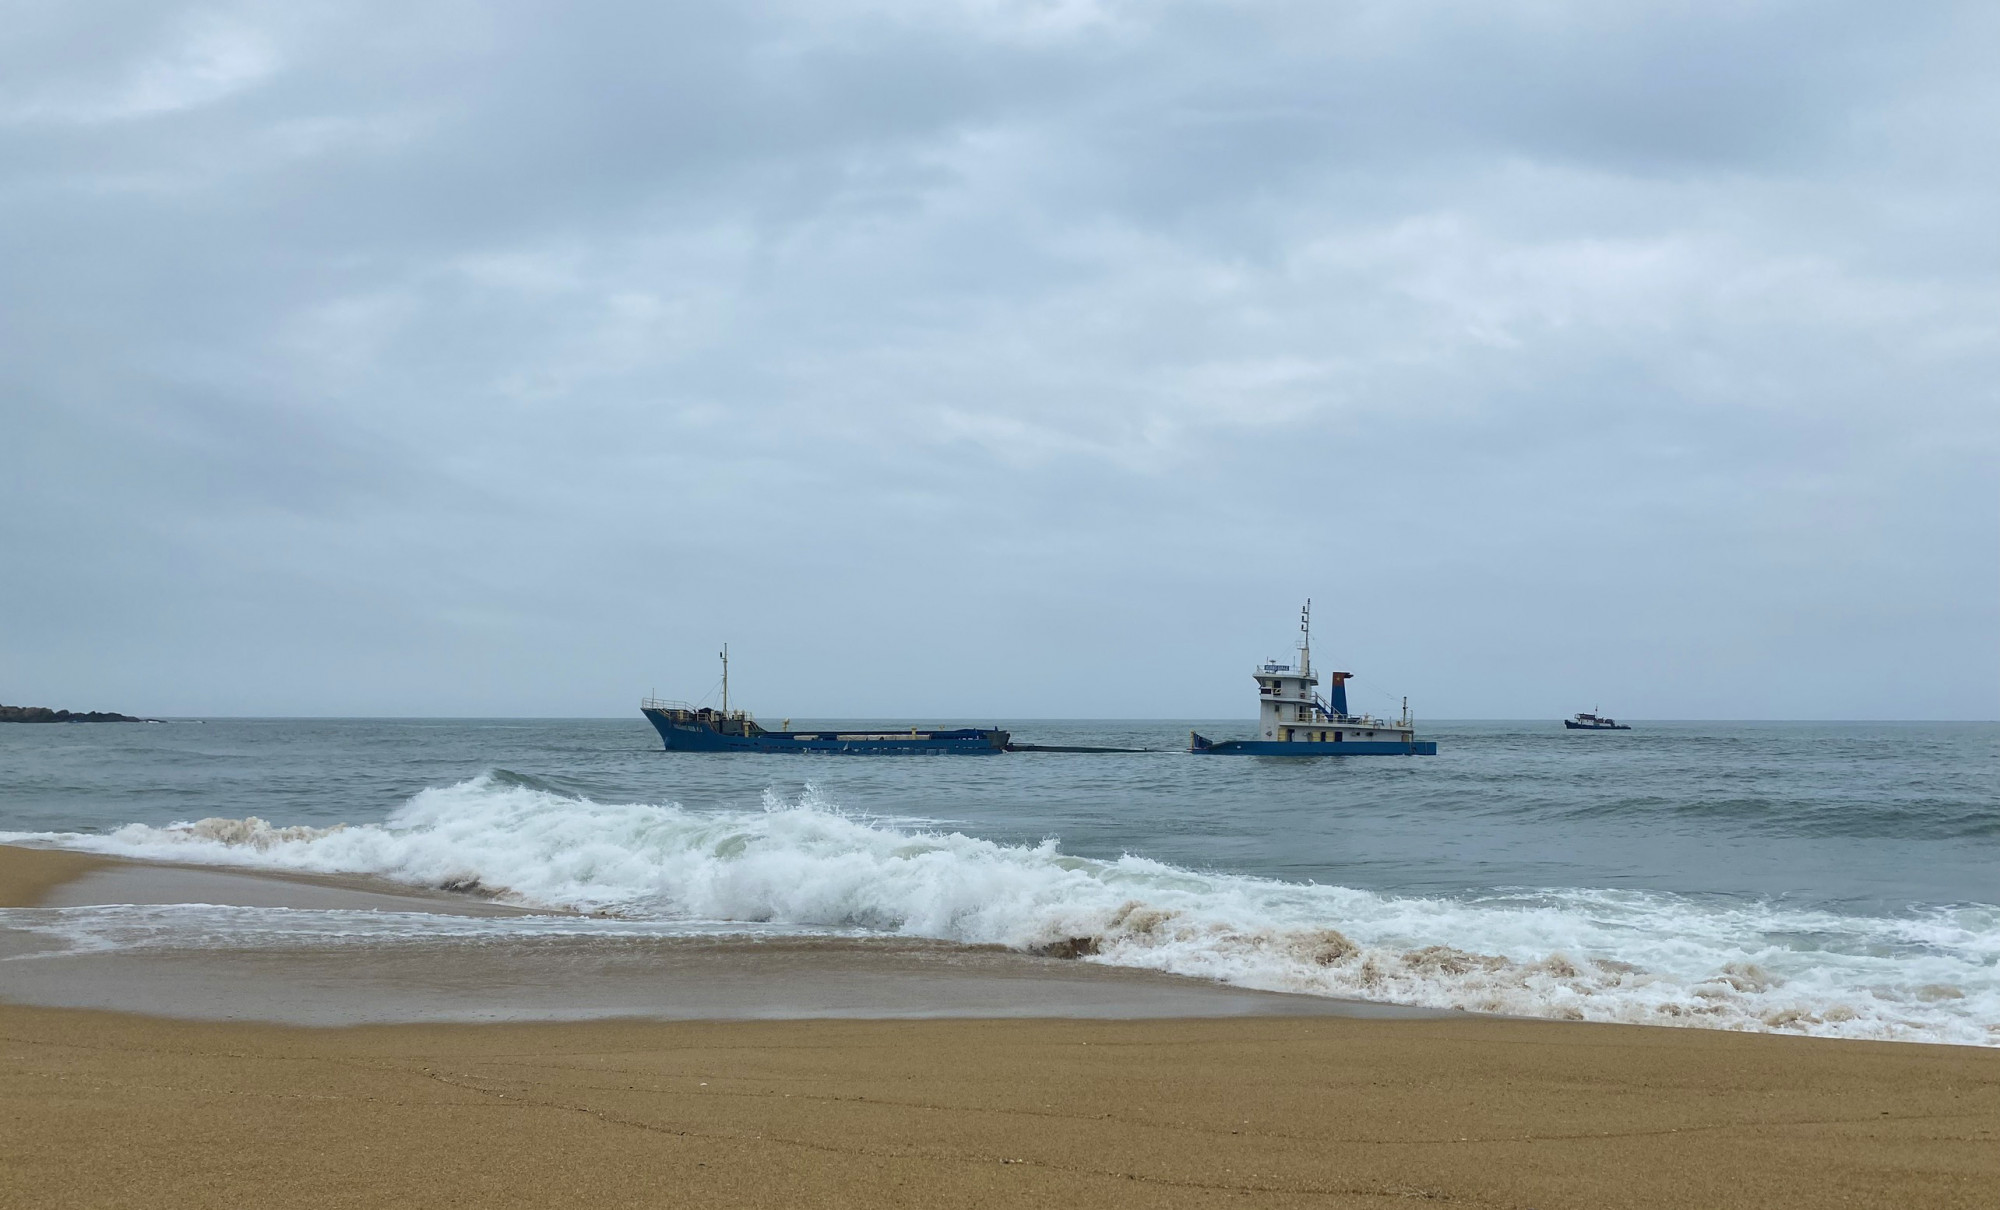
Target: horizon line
pixel 1052 718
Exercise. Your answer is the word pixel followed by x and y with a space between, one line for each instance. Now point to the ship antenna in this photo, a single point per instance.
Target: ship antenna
pixel 1306 629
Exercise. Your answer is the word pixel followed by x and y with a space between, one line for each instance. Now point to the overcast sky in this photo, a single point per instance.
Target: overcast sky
pixel 989 359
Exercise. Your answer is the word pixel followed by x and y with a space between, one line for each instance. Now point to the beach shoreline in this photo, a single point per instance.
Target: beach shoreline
pixel 33 876
pixel 580 968
pixel 903 1073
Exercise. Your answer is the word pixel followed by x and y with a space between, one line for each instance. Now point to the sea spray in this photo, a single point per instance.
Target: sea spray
pixel 804 863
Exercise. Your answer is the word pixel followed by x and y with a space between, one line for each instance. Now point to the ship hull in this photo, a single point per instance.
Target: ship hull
pixel 1573 725
pixel 1265 747
pixel 698 737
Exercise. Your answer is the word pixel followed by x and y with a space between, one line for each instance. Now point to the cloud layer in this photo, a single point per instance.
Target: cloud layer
pixel 1000 358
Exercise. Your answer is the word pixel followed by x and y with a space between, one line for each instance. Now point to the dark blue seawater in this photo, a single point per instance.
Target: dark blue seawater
pixel 1851 816
pixel 1849 868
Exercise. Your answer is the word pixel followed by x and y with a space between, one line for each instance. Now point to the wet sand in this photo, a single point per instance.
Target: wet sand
pixel 28 876
pixel 111 1109
pixel 572 979
pixel 52 878
pixel 145 883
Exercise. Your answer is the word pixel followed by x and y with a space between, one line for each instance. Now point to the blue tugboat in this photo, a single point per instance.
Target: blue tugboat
pixel 686 728
pixel 1294 721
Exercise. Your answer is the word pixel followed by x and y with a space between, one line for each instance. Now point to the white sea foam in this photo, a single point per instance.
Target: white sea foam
pixel 1930 975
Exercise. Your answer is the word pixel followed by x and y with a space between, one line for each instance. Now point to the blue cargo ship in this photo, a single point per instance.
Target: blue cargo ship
pixel 1294 721
pixel 687 728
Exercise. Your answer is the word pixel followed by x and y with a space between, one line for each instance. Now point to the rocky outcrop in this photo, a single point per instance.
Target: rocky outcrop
pixel 42 714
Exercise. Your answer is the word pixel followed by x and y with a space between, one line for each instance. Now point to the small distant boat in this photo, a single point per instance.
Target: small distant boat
pixel 1293 720
pixel 1594 722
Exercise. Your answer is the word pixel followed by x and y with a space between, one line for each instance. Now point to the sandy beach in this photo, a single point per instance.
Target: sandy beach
pixel 1156 1102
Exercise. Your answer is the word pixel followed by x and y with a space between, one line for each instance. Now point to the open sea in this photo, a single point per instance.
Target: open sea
pixel 1837 879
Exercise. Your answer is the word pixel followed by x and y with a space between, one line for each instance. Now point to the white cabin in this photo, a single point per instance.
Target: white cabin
pixel 1289 709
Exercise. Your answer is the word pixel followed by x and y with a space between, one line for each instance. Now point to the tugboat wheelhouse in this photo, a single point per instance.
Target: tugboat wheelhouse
pixel 1293 720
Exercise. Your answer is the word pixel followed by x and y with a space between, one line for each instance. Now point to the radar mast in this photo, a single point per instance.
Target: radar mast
pixel 1306 636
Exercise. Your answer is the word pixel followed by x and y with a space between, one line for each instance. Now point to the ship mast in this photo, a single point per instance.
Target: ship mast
pixel 725 680
pixel 1306 643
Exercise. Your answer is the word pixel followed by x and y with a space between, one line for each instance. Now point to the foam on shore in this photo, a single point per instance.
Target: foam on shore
pixel 1605 955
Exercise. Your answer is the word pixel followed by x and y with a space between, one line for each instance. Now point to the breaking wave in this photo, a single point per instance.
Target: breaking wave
pixel 1932 974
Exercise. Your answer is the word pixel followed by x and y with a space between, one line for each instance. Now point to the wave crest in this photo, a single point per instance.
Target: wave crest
pixel 251 832
pixel 1579 954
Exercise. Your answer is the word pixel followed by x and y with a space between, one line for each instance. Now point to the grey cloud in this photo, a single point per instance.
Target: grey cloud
pixel 451 358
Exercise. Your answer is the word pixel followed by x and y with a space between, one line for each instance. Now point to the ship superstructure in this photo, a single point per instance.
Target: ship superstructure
pixel 1293 720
